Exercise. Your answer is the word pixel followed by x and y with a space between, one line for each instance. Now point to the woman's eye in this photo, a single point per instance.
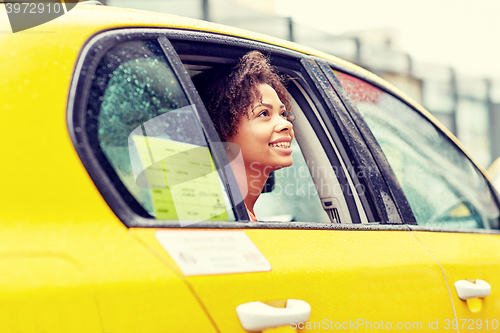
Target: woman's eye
pixel 285 114
pixel 264 113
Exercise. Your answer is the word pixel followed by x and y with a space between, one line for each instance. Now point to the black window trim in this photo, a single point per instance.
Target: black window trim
pixel 88 61
pixel 361 156
pixel 392 186
pixel 78 96
pixel 329 150
pixel 217 151
pixel 127 209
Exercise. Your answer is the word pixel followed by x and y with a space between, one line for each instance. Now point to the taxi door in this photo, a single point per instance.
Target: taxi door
pixel 454 205
pixel 351 279
pixel 471 263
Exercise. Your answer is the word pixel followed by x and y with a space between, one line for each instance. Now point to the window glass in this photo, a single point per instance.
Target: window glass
pixel 442 186
pixel 151 136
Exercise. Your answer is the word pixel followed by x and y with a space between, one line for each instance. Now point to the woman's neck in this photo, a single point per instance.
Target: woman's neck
pixel 250 179
pixel 255 181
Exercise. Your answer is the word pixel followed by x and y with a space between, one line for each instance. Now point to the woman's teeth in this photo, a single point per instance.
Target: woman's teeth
pixel 280 144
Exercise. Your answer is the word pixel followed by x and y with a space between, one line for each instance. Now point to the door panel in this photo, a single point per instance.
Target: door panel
pixel 343 274
pixel 468 256
pixel 45 292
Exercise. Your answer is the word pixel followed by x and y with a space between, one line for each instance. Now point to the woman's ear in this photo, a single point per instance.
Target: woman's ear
pixel 232 149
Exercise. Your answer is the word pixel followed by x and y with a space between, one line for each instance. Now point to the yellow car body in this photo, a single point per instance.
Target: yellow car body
pixel 70 264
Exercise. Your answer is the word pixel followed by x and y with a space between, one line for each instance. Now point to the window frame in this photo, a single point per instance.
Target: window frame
pixel 88 61
pixel 376 150
pixel 383 183
pixel 329 149
pixel 355 152
pixel 118 197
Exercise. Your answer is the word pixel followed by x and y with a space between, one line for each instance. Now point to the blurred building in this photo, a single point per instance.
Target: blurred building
pixel 468 106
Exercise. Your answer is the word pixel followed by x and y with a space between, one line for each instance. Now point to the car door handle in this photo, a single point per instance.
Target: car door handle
pixel 467 289
pixel 257 316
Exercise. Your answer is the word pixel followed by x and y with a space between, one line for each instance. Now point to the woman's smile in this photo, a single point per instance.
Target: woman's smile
pixel 283 145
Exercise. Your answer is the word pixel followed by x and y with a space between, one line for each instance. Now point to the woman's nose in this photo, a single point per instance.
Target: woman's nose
pixel 283 125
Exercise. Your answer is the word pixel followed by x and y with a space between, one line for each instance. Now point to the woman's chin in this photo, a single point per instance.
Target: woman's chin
pixel 285 164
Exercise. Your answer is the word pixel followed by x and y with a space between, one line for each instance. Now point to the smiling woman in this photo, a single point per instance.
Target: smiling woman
pixel 250 108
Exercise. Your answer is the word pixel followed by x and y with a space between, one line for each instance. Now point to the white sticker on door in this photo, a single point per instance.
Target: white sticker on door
pixel 212 252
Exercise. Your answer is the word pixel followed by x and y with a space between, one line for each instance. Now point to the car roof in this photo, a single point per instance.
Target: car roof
pixel 85 20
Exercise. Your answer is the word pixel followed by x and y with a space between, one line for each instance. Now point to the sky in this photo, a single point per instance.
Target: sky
pixel 464 34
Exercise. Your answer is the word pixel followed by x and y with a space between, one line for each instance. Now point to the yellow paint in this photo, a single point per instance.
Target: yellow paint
pixel 62 250
pixel 88 276
pixel 494 168
pixel 475 304
pixel 46 293
pixel 371 275
pixel 56 231
pixel 468 256
pixel 281 303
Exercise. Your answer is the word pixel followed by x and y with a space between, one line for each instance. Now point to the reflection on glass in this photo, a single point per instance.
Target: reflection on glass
pixel 152 137
pixel 442 186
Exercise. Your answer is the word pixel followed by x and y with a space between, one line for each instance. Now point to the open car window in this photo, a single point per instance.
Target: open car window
pixel 293 194
pixel 312 189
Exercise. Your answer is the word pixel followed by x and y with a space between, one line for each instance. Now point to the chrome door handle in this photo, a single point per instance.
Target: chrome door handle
pixel 467 289
pixel 257 316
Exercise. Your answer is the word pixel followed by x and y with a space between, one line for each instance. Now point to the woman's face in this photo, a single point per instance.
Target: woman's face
pixel 265 136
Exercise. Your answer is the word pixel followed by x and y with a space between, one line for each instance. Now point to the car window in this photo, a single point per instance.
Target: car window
pixel 151 138
pixel 308 190
pixel 441 184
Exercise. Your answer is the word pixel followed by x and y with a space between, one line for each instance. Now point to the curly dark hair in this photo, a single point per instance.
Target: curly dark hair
pixel 229 91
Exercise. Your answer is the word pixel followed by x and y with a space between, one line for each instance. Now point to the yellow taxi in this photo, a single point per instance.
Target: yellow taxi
pixel 382 222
